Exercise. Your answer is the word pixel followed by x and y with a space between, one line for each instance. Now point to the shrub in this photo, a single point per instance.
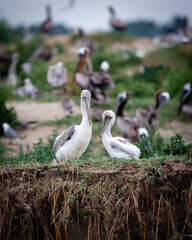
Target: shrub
pixel 176 146
pixel 145 147
pixel 6 115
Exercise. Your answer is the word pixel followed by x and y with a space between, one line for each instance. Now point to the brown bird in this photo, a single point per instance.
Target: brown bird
pixel 148 117
pixel 95 82
pixel 84 41
pixel 185 107
pixel 116 24
pixel 145 118
pixel 47 25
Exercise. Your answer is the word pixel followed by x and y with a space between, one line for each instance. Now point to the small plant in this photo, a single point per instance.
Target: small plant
pixel 6 115
pixel 145 147
pixel 176 146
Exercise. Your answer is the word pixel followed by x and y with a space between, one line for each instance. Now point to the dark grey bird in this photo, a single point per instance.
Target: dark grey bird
pixel 116 24
pixel 9 132
pixel 185 107
pixel 47 25
pixel 22 125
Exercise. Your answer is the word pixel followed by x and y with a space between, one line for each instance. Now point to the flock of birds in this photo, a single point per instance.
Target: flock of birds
pixel 73 142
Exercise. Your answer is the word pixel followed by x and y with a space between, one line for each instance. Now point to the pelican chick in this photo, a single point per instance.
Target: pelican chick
pixel 116 146
pixel 28 90
pixel 57 75
pixel 73 142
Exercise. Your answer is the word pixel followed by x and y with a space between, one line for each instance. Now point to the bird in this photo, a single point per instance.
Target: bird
pixel 184 106
pixel 105 66
pixel 28 90
pixel 148 117
pixel 12 73
pixel 47 25
pixel 95 82
pixel 26 67
pixel 117 147
pixel 23 125
pixel 57 75
pixel 84 41
pixel 145 118
pixel 67 105
pixel 142 133
pixel 127 125
pixel 116 24
pixel 43 53
pixel 73 142
pixel 9 132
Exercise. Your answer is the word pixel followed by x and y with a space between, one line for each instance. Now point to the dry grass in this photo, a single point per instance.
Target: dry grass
pixel 63 202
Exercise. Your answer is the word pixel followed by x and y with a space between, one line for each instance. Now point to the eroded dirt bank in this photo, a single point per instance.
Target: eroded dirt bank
pixel 124 202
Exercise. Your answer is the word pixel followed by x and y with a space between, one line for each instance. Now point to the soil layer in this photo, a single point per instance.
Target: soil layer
pixel 124 202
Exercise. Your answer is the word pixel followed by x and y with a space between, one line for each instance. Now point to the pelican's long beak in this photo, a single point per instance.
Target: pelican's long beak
pixel 104 125
pixel 87 109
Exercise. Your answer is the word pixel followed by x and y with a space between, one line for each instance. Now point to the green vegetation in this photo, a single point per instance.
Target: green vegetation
pixel 165 69
pixel 6 115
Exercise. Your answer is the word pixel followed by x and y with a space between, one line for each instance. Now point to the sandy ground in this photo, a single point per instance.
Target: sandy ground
pixel 33 111
pixel 184 128
pixel 40 112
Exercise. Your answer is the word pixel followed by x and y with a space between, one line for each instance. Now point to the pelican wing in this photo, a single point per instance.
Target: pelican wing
pixel 63 138
pixel 127 147
pixel 122 140
pixel 82 80
pixel 100 79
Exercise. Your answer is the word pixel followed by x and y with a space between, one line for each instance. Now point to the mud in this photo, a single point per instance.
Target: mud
pixel 124 202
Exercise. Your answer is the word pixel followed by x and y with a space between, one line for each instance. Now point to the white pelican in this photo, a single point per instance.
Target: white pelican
pixel 9 132
pixel 116 146
pixel 73 142
pixel 57 75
